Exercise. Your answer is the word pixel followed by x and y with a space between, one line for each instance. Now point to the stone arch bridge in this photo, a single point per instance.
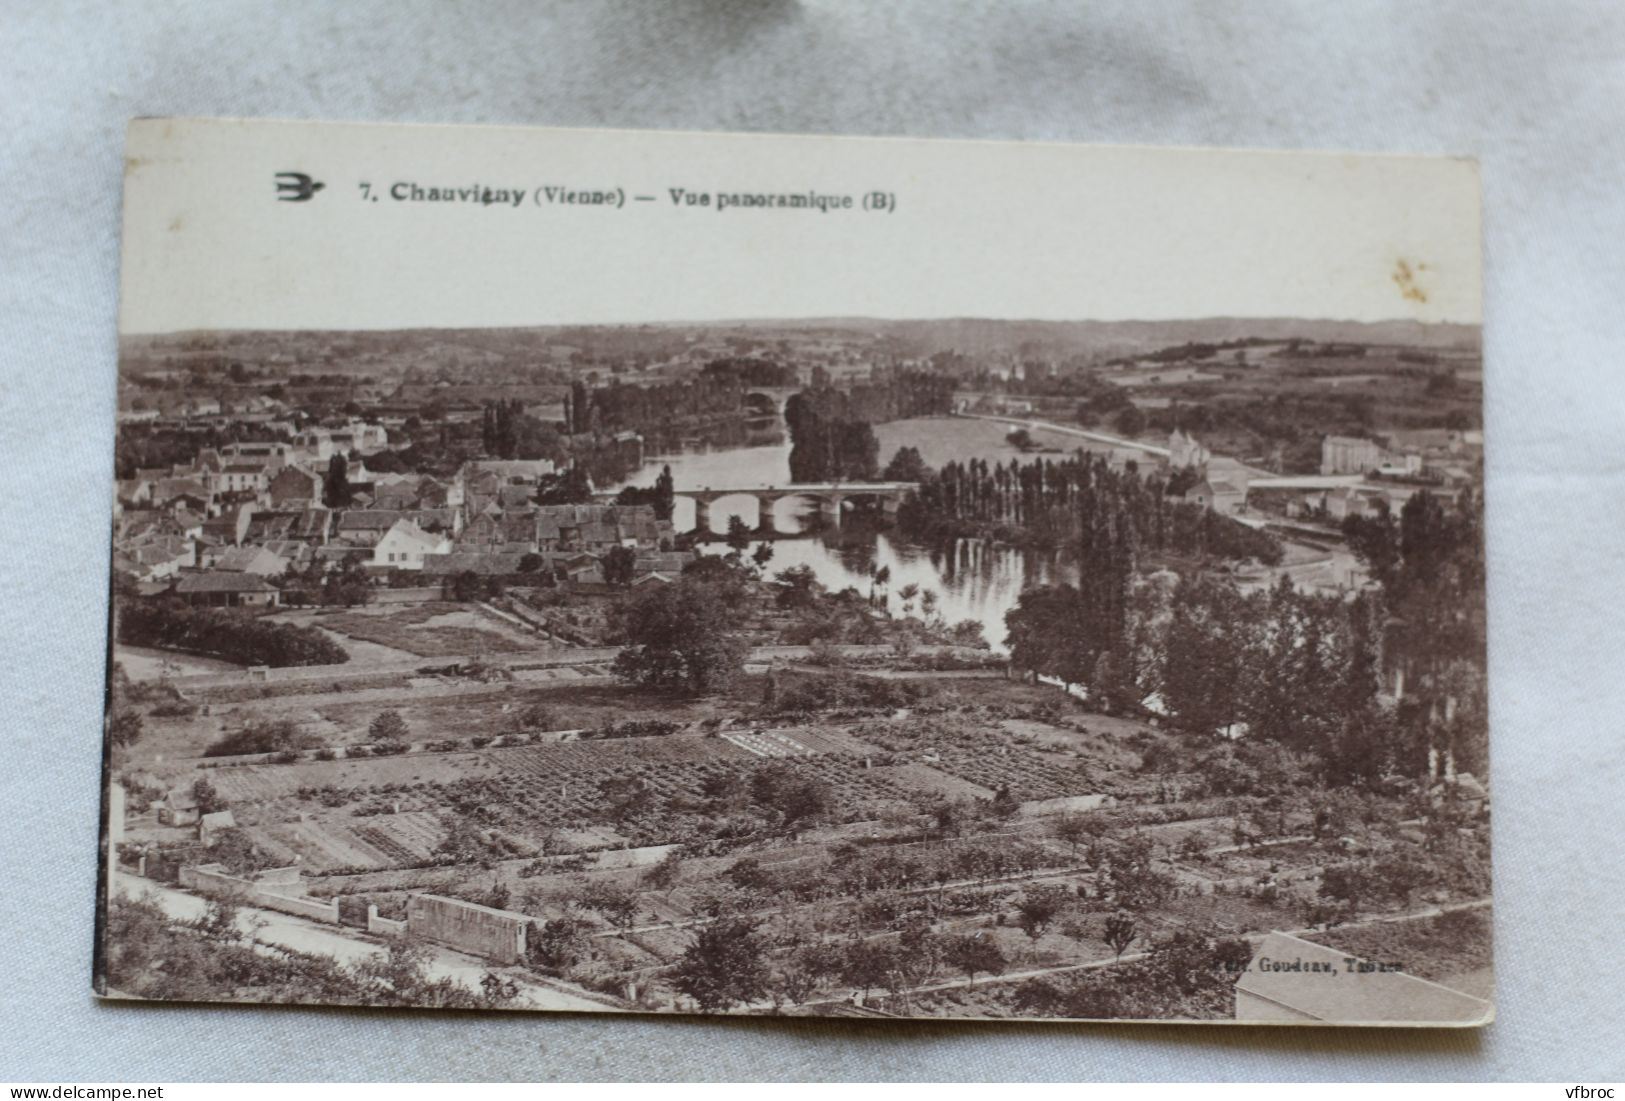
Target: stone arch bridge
pixel 770 399
pixel 829 498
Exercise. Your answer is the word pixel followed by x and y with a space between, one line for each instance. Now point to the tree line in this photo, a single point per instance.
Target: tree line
pixel 1429 561
pixel 630 407
pixel 1300 669
pixel 1079 499
pixel 1295 668
pixel 229 634
pixel 508 432
pixel 830 430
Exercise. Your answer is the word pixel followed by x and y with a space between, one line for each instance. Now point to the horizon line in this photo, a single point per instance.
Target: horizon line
pixel 813 319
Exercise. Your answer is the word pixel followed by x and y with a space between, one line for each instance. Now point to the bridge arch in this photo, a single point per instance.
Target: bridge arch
pixel 765 403
pixel 786 508
pixel 712 511
pixel 769 400
pixel 792 512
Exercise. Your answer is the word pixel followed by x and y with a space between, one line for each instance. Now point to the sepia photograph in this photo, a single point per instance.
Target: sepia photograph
pixel 625 572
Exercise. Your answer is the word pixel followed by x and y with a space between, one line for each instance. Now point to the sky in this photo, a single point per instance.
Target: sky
pixel 967 229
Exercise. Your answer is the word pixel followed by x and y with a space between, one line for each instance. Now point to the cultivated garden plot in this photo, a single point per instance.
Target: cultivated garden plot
pixel 432 630
pixel 578 830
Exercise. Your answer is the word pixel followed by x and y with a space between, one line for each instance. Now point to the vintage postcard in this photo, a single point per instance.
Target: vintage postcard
pixel 657 572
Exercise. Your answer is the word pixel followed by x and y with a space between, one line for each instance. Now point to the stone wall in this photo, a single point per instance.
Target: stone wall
pixel 496 935
pixel 383 926
pixel 1065 804
pixel 271 892
pixel 404 596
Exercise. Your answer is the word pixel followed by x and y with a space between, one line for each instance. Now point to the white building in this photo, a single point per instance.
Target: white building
pixel 404 546
pixel 321 443
pixel 1349 455
pixel 1184 452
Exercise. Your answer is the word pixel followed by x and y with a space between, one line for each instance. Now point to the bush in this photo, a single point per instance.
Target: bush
pixel 537 717
pixel 388 726
pixel 826 654
pixel 175 709
pixel 231 634
pixel 846 690
pixel 261 737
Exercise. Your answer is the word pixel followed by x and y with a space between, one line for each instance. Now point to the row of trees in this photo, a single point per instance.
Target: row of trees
pixel 661 496
pixel 1429 560
pixel 828 440
pixel 1296 668
pixel 830 433
pixel 625 407
pixel 508 432
pixel 1189 973
pixel 230 634
pixel 1082 498
pixel 145 446
pixel 899 394
pixel 730 963
pixel 346 585
pixel 733 961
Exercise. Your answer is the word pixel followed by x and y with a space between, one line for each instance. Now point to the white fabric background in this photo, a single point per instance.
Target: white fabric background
pixel 1533 90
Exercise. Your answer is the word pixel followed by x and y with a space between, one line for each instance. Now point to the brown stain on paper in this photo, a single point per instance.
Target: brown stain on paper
pixel 1405 276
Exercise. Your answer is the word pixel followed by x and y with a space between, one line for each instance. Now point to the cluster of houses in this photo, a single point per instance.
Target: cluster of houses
pixel 1444 454
pixel 1394 468
pixel 204 409
pixel 1221 484
pixel 217 530
pixel 1436 459
pixel 1358 455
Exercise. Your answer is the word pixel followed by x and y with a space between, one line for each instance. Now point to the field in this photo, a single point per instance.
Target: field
pixel 959 439
pixel 430 630
pixel 142 663
pixel 860 807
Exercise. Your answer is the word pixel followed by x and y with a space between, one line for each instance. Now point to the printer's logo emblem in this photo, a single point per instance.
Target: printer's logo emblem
pixel 296 187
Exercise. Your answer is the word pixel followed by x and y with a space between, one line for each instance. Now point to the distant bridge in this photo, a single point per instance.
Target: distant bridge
pixel 829 497
pixel 1309 481
pixel 775 396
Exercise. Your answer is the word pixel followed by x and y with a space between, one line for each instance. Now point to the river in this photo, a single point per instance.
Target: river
pixel 970 580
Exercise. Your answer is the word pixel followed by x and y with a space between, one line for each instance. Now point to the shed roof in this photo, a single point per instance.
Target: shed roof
pixel 368 519
pixel 224 583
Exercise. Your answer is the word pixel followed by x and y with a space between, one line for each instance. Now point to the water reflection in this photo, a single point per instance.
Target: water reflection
pixel 969 580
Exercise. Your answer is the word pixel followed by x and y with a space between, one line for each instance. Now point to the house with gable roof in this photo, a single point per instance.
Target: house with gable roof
pixel 227 590
pixel 295 483
pixel 1218 495
pixel 405 546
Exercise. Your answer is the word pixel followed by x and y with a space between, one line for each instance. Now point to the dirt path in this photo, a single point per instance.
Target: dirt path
pixel 298 934
pixel 143 663
pixel 1071 430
